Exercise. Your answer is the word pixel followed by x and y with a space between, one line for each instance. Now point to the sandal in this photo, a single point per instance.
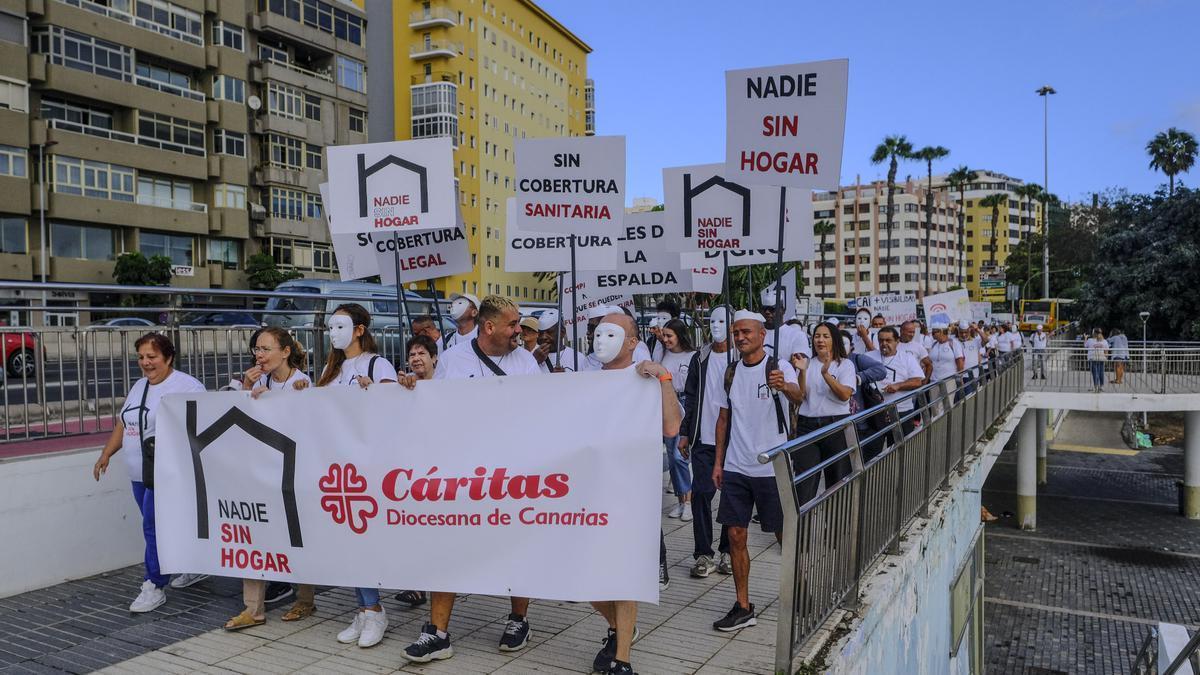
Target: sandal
pixel 411 598
pixel 242 621
pixel 299 611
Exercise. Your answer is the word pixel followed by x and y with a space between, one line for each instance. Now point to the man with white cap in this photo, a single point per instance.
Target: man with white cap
pixel 792 339
pixel 549 345
pixel 947 357
pixel 698 437
pixel 494 352
pixel 464 309
pixel 752 420
pixel 1038 341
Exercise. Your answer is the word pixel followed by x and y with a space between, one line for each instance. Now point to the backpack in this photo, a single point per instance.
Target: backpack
pixel 772 364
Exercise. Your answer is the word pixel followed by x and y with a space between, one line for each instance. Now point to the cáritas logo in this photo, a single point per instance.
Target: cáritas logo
pixel 346 497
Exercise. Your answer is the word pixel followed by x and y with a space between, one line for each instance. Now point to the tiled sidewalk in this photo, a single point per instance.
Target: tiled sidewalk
pixel 83 626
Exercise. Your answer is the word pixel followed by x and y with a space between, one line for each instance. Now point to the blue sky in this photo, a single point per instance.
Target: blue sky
pixel 957 74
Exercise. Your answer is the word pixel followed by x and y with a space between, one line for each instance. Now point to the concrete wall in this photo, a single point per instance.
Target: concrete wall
pixel 58 524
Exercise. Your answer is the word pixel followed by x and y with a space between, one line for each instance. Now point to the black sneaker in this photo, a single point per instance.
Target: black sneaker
pixel 278 591
pixel 608 652
pixel 737 619
pixel 620 668
pixel 429 647
pixel 664 579
pixel 516 634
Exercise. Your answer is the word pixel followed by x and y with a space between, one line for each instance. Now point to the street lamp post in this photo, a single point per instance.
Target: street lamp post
pixel 1045 92
pixel 44 264
pixel 1144 316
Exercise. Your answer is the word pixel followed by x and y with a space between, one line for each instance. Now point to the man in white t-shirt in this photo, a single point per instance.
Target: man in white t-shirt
pixel 640 353
pixel 1038 341
pixel 495 352
pixel 972 345
pixel 904 374
pixel 910 341
pixel 464 310
pixel 550 337
pixel 948 360
pixel 753 419
pixel 792 338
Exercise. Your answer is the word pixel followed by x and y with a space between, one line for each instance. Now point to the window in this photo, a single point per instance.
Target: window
pixel 227 142
pixel 81 241
pixel 176 247
pixel 225 34
pixel 312 206
pixel 165 79
pixel 165 192
pixel 352 74
pixel 13 161
pixel 225 253
pixel 83 52
pixel 358 120
pixel 12 235
pixel 284 101
pixel 14 95
pixel 312 156
pixel 312 107
pixel 77 114
pixel 226 88
pixel 12 29
pixel 229 196
pixel 169 131
pixel 268 52
pixel 286 204
pixel 86 178
pixel 283 151
pixel 170 20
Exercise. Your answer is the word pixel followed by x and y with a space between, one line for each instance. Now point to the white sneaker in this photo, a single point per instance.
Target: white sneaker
pixel 685 513
pixel 185 580
pixel 675 511
pixel 374 624
pixel 150 598
pixel 354 631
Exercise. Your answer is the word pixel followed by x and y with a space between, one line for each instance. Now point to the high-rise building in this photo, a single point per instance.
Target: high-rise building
pixel 192 129
pixel 485 73
pixel 854 261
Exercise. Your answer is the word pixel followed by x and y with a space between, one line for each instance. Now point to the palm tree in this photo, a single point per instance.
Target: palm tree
pixel 928 154
pixel 892 149
pixel 1173 152
pixel 994 201
pixel 823 228
pixel 959 179
pixel 1028 194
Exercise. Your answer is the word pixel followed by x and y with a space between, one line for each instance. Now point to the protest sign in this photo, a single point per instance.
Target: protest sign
pixel 589 295
pixel 550 252
pixel 353 261
pixel 981 311
pixel 704 211
pixel 811 307
pixel 571 185
pixel 797 245
pixel 271 489
pixel 708 277
pixel 423 255
pixel 948 308
pixel 643 264
pixel 397 185
pixel 896 308
pixel 770 294
pixel 785 124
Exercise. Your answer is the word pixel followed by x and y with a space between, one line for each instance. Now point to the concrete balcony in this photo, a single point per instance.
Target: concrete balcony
pixel 124 92
pixel 297 77
pixel 127 214
pixel 17 266
pixel 139 152
pixel 433 17
pixel 435 49
pixel 112 24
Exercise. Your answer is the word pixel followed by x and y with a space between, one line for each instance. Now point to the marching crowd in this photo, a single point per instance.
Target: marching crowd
pixel 724 402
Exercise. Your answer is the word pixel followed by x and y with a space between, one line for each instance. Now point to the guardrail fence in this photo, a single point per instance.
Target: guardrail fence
pixel 1152 369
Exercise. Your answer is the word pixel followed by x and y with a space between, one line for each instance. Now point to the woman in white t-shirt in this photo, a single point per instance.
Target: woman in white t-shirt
pixel 279 363
pixel 676 357
pixel 134 433
pixel 827 382
pixel 1097 354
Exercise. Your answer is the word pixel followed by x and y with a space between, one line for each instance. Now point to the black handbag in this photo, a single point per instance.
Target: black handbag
pixel 147 443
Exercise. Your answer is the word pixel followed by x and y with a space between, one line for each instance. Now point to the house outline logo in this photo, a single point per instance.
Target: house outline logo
pixel 235 417
pixel 365 172
pixel 689 193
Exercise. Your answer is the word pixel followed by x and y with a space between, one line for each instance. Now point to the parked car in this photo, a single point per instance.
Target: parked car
pixel 19 354
pixel 124 322
pixel 222 319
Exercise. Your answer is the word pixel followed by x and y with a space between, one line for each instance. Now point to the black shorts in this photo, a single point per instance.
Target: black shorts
pixel 742 494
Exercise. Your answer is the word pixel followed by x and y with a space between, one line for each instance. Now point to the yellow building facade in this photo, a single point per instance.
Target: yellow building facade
pixel 486 73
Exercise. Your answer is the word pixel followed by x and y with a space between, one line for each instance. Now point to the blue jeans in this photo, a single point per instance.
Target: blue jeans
pixel 681 475
pixel 367 597
pixel 145 501
pixel 1097 373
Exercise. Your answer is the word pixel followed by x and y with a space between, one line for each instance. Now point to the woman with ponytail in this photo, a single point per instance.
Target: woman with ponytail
pixel 355 357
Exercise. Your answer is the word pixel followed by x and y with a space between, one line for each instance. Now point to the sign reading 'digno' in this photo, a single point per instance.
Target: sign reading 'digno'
pixel 707 212
pixel 380 187
pixel 571 185
pixel 785 124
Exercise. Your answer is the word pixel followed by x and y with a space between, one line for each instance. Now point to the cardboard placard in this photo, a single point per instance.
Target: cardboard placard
pixel 705 211
pixel 571 185
pixel 551 252
pixel 397 185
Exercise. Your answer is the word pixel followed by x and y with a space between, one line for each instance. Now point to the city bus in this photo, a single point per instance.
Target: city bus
pixel 1050 314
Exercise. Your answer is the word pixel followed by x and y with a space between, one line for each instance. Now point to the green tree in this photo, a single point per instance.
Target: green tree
pixel 135 269
pixel 264 275
pixel 823 228
pixel 1173 152
pixel 928 154
pixel 995 201
pixel 958 180
pixel 891 150
pixel 1028 194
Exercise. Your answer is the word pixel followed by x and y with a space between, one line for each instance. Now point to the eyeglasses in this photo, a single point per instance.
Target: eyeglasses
pixel 261 350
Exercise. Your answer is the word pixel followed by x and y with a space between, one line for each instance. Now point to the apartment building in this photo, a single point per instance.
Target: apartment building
pixel 485 73
pixel 854 261
pixel 192 129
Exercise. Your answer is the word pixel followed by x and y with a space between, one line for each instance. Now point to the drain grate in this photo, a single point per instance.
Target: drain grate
pixel 1030 561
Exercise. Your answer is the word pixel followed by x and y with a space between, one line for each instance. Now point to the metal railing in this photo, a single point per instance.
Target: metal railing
pixel 1143 370
pixel 831 538
pixel 168 88
pixel 433 14
pixel 123 137
pixel 138 21
pixel 326 74
pixel 422 48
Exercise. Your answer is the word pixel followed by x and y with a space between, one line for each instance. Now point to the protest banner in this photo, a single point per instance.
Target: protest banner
pixel 706 212
pixel 981 311
pixel 643 263
pixel 587 293
pixel 950 307
pixel 430 254
pixel 773 294
pixel 896 308
pixel 317 487
pixel 785 124
pixel 551 252
pixel 392 186
pixel 811 307
pixel 571 185
pixel 353 261
pixel 708 277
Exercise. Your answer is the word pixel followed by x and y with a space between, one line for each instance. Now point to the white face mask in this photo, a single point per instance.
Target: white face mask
pixel 718 327
pixel 862 319
pixel 663 318
pixel 608 341
pixel 846 345
pixel 341 331
pixel 459 307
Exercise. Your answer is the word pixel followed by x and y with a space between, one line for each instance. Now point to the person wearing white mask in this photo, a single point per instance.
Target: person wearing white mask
pixel 865 336
pixel 641 351
pixel 464 309
pixel 1038 342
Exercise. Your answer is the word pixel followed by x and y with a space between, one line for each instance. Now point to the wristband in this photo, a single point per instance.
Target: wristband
pixel 665 377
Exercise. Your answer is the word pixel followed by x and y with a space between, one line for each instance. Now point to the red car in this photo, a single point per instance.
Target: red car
pixel 19 355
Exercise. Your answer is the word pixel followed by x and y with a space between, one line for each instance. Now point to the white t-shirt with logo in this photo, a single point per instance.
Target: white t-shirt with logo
pixel 819 399
pixel 457 338
pixel 1004 343
pixel 944 355
pixel 133 414
pixel 677 364
pixel 971 347
pixel 914 347
pixel 710 407
pixel 461 362
pixel 753 422
pixel 793 338
pixel 900 367
pixel 360 365
pixel 297 375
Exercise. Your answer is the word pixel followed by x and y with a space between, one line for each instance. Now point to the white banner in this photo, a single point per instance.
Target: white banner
pixel 363 488
pixel 709 277
pixel 571 185
pixel 549 252
pixel 950 307
pixel 784 125
pixel 896 308
pixel 379 187
pixel 981 311
pixel 811 307
pixel 768 294
pixel 644 265
pixel 431 254
pixel 589 296
pixel 704 211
